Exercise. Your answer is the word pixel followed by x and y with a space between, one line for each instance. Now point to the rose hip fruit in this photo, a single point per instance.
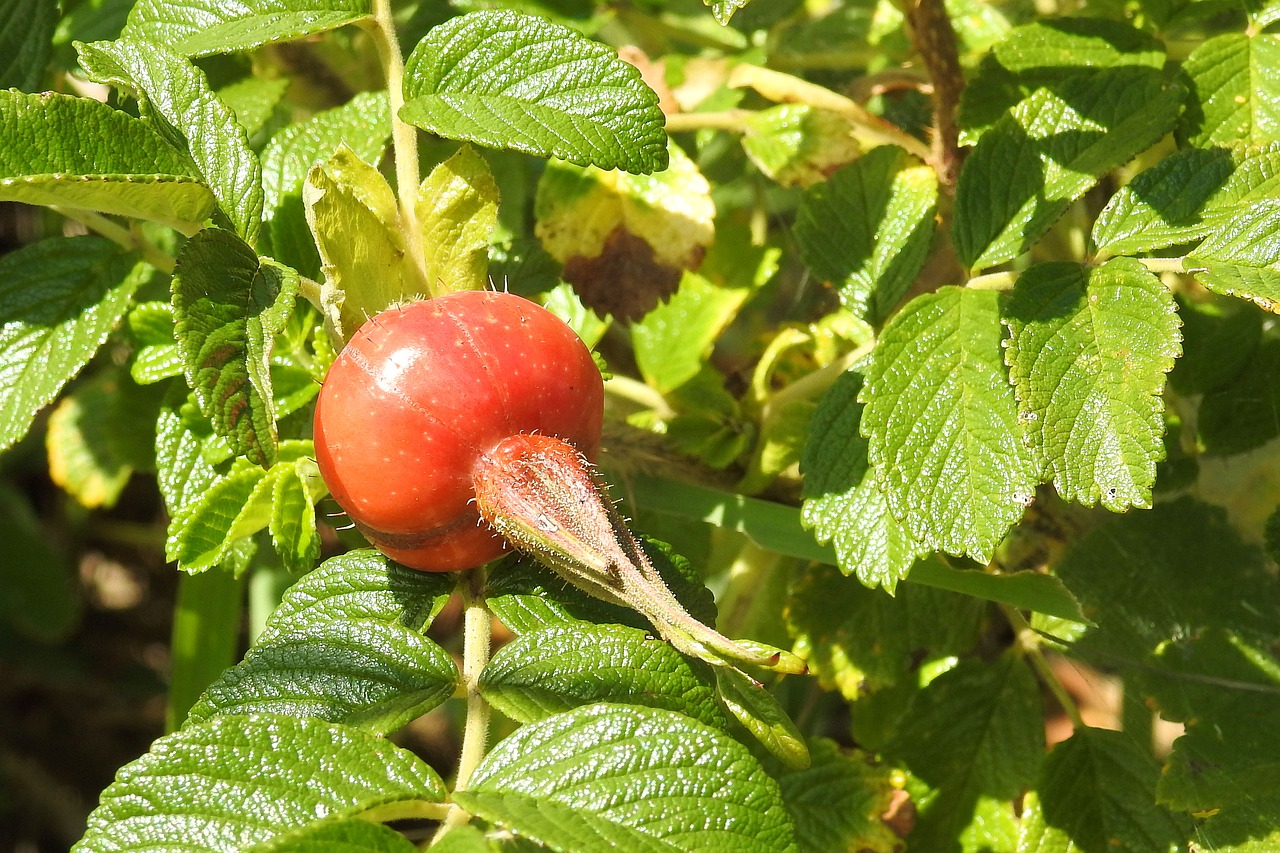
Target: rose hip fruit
pixel 421 394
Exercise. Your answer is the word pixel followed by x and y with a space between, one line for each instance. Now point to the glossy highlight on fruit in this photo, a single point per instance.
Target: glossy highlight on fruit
pixel 422 393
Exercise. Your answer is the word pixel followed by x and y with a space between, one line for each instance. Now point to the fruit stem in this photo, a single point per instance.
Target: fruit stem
pixel 477 626
pixel 545 498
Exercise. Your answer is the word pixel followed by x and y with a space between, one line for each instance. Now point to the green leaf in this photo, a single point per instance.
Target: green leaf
pixel 1240 415
pixel 1252 828
pixel 1232 91
pixel 347 646
pixel 1097 792
pixel 762 715
pixel 352 835
pixel 59 299
pixel 673 340
pixel 559 667
pixel 527 596
pixel 509 80
pixel 228 306
pixel 156 356
pixel 777 527
pixel 1088 352
pixel 1184 567
pixel 943 426
pixel 843 501
pixel 293 516
pixel 1223 686
pixel 1046 53
pixel 858 640
pixel 610 777
pixel 94 442
pixel 254 100
pixel 205 532
pixel 82 153
pixel 799 145
pixel 457 209
pixel 977 731
pixel 836 802
pixel 202 27
pixel 1187 196
pixel 231 782
pixel 1048 151
pixel 205 639
pixel 38 592
pixel 176 93
pixel 186 456
pixel 26 41
pixel 353 214
pixel 1242 257
pixel 363 124
pixel 868 229
pixel 466 839
pixel 625 239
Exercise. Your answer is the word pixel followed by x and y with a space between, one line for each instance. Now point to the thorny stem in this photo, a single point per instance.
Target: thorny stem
pixel 935 41
pixel 1029 642
pixel 404 138
pixel 477 624
pixel 129 238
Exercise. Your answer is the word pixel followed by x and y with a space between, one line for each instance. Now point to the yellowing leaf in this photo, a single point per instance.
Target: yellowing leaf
pixel 798 145
pixel 625 239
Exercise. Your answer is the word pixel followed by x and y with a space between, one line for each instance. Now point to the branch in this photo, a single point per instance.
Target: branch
pixel 935 41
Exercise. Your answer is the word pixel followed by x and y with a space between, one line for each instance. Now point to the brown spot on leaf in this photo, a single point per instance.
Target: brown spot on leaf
pixel 626 279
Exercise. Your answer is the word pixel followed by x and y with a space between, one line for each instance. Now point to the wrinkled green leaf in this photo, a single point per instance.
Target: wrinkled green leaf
pixel 59 299
pixel 234 781
pixel 26 41
pixel 228 306
pixel 675 339
pixel 201 27
pixel 1239 415
pixel 1097 793
pixel 339 836
pixel 156 357
pixel 867 230
pixel 837 801
pixel 94 442
pixel 82 153
pixel 796 144
pixel 977 731
pixel 843 501
pixel 1186 196
pixel 607 777
pixel 38 582
pixel 1232 91
pixel 1047 53
pixel 508 80
pixel 942 424
pixel 253 100
pixel 858 640
pixel 559 667
pixel 346 645
pixel 1088 352
pixel 363 124
pixel 177 94
pixel 1048 151
pixel 1242 257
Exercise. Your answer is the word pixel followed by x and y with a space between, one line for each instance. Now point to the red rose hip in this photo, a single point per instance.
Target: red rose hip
pixel 421 394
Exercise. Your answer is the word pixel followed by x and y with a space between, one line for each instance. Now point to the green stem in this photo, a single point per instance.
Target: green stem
pixel 734 121
pixel 1029 642
pixel 634 391
pixel 477 625
pixel 404 138
pixel 206 633
pixel 129 238
pixel 1001 281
